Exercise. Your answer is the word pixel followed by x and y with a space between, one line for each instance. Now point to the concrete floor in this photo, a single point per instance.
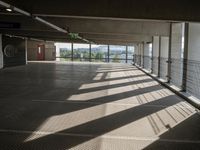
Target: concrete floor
pixel 83 106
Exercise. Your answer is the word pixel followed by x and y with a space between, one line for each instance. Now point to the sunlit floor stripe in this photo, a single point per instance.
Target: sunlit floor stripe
pixel 104 136
pixel 118 104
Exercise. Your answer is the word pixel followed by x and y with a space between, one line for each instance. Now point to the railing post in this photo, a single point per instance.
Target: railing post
pixel 159 59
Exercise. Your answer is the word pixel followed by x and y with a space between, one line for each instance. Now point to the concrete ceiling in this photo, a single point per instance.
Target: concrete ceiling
pixel 102 22
pixel 180 10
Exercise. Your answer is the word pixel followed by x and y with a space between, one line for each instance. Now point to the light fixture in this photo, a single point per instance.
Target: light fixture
pixel 9 9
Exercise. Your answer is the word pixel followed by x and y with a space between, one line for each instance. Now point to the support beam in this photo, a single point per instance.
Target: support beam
pixel 185 58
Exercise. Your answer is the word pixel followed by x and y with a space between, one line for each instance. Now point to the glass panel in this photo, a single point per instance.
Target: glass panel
pixel 117 54
pixel 130 54
pixel 99 53
pixel 63 51
pixel 81 52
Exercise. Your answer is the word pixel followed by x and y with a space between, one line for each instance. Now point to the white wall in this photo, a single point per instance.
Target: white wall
pixel 50 50
pixel 1 53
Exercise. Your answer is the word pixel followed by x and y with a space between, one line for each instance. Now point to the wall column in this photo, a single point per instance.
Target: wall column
pixel 169 55
pixel 185 57
pixel 1 53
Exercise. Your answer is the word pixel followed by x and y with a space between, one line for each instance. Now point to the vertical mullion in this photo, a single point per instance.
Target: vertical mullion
pixel 143 54
pixel 126 54
pixel 72 50
pixel 152 55
pixel 159 59
pixel 90 53
pixel 108 53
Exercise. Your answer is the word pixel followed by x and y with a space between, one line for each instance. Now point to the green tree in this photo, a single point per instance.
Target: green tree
pixel 116 58
pixel 99 56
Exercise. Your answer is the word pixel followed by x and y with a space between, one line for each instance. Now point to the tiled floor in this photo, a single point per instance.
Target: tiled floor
pixel 88 106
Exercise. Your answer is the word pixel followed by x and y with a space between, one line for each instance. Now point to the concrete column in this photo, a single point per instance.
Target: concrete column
pixel 176 66
pixel 164 53
pixel 143 49
pixel 1 53
pixel 155 54
pixel 139 60
pixel 187 55
pixel 57 53
pixel 192 69
pixel 50 51
pixel 136 55
pixel 169 55
pixel 147 58
pixel 26 50
pixel 142 55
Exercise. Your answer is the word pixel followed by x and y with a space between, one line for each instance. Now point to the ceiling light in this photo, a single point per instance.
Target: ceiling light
pixel 9 9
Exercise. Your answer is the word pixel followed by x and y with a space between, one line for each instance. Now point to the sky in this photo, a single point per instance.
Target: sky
pixel 68 45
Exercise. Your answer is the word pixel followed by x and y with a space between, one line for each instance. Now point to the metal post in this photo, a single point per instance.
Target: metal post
pixel 185 57
pixel 143 54
pixel 126 54
pixel 140 52
pixel 108 53
pixel 169 55
pixel 152 54
pixel 26 50
pixel 159 59
pixel 72 55
pixel 90 53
